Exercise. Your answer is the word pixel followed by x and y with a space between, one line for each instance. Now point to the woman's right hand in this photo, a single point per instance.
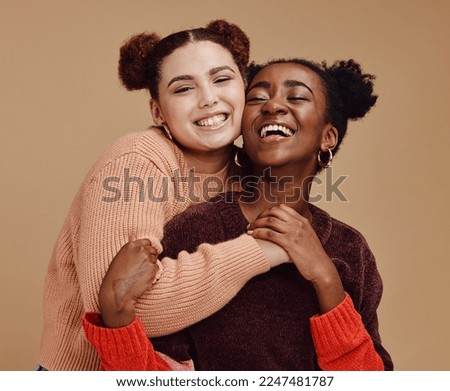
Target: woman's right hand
pixel 129 275
pixel 294 233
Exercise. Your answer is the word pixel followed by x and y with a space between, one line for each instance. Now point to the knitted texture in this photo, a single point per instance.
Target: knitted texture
pixel 342 342
pixel 272 322
pixel 130 340
pixel 267 325
pixel 130 191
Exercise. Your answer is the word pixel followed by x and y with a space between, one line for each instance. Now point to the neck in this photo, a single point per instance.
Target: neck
pixel 273 188
pixel 208 162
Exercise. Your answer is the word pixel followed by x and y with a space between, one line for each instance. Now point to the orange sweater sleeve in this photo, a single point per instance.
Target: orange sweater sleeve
pixel 122 349
pixel 342 343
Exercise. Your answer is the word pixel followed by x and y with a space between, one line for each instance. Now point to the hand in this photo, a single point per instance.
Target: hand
pixel 293 232
pixel 129 275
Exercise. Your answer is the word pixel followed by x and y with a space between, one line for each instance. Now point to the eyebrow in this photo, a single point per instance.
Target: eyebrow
pixel 260 84
pixel 296 83
pixel 211 72
pixel 287 83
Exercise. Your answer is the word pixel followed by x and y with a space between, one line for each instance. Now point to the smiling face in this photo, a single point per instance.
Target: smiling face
pixel 284 118
pixel 201 97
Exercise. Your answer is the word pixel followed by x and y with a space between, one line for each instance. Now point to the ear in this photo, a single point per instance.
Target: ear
pixel 330 137
pixel 157 115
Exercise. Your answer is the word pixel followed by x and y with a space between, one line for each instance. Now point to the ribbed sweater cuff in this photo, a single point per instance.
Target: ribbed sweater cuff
pixel 335 332
pixel 124 348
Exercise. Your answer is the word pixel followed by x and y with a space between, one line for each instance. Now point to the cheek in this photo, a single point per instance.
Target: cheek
pixel 176 110
pixel 247 119
pixel 236 93
pixel 237 98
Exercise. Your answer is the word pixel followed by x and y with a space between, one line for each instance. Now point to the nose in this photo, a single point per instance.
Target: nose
pixel 275 106
pixel 207 97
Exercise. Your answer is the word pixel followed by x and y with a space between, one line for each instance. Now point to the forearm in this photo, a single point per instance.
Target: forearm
pixel 328 287
pixel 195 286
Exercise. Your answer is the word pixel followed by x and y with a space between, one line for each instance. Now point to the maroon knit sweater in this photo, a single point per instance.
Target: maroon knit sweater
pixel 267 325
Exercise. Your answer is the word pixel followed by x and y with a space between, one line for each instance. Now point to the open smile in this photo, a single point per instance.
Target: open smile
pixel 213 122
pixel 275 130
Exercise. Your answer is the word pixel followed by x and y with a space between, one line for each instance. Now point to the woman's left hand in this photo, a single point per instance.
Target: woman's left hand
pixel 290 230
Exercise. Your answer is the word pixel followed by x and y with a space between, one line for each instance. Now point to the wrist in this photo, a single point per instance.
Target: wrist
pixel 329 290
pixel 275 254
pixel 115 318
pixel 116 310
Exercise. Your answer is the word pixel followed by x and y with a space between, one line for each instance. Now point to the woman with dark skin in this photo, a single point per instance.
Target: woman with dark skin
pixel 319 312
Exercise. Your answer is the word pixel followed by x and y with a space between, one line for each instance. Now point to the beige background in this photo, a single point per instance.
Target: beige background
pixel 61 104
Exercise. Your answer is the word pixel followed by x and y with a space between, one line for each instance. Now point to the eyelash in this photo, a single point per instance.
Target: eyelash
pixel 221 79
pixel 294 99
pixel 256 99
pixel 297 98
pixel 180 90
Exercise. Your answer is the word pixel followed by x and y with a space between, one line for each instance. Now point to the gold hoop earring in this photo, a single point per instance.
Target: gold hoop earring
pixel 328 162
pixel 166 129
pixel 236 159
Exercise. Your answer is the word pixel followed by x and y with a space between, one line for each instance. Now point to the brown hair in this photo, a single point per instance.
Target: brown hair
pixel 141 56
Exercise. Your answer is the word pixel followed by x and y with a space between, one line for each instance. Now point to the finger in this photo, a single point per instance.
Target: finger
pixel 143 242
pixel 152 258
pixel 270 222
pixel 280 221
pixel 146 250
pixel 275 211
pixel 272 215
pixel 151 250
pixel 268 234
pixel 292 212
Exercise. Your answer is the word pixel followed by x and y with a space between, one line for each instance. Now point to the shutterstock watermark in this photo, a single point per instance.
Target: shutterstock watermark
pixel 130 188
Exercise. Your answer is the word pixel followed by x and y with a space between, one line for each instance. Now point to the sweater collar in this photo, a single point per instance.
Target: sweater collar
pixel 231 215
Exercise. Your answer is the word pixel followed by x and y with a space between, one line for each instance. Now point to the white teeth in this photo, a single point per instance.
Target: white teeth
pixel 275 128
pixel 212 121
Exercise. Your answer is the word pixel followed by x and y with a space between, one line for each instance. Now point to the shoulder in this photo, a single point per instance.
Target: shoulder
pixel 198 214
pixel 149 144
pixel 211 222
pixel 333 232
pixel 330 229
pixel 224 206
pixel 148 148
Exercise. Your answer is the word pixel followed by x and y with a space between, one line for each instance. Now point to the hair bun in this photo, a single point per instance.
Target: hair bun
pixel 238 41
pixel 133 60
pixel 355 88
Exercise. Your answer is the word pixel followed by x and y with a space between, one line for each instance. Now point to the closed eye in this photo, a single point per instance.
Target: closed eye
pixel 182 89
pixel 297 99
pixel 222 79
pixel 255 99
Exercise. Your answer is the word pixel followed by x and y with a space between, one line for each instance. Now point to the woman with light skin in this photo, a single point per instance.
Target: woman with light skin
pixel 197 88
pixel 318 312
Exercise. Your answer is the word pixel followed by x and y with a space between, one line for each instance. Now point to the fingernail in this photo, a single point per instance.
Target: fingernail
pixel 250 232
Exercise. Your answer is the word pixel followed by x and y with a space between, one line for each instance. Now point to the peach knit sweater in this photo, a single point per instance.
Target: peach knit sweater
pixel 130 191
